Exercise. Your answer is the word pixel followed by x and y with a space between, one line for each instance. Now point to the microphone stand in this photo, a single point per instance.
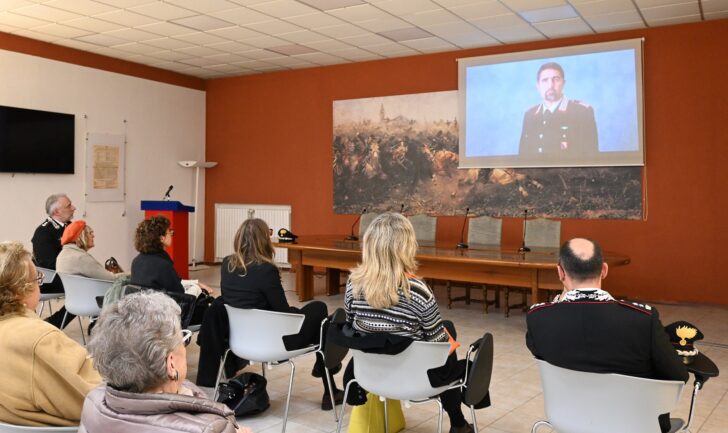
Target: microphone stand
pixel 462 243
pixel 401 209
pixel 351 237
pixel 524 248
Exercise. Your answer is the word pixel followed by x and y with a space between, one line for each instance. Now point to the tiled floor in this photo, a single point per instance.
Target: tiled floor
pixel 515 389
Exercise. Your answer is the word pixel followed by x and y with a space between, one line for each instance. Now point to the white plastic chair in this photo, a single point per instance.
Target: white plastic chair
pixel 81 293
pixel 9 428
pixel 401 377
pixel 580 402
pixel 48 276
pixel 257 335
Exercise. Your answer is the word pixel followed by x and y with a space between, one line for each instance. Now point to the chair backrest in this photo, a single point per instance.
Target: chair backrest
pixel 48 274
pixel 484 230
pixel 9 428
pixel 481 371
pixel 257 335
pixel 425 227
pixel 81 293
pixel 580 402
pixel 541 232
pixel 364 222
pixel 402 376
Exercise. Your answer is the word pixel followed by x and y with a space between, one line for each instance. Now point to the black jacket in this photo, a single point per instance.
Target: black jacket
pixel 603 337
pixel 46 247
pixel 156 270
pixel 260 287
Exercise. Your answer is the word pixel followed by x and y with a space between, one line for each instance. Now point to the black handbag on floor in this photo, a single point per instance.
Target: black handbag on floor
pixel 245 394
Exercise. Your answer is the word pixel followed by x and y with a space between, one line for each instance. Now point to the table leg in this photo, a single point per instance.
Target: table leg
pixel 304 280
pixel 333 278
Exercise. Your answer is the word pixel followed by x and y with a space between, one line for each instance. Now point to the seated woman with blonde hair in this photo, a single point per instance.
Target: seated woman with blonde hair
pixel 139 349
pixel 384 295
pixel 75 259
pixel 45 374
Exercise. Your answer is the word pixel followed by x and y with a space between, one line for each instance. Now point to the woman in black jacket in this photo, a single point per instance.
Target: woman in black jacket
pixel 153 267
pixel 251 279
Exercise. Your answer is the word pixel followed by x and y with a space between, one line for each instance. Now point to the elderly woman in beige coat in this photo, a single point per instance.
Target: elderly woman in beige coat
pixel 139 349
pixel 45 375
pixel 75 259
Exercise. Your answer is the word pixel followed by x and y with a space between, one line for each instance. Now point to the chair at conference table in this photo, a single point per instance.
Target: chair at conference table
pixel 483 230
pixel 364 222
pixel 581 402
pixel 425 227
pixel 81 294
pixel 48 276
pixel 9 428
pixel 257 335
pixel 540 232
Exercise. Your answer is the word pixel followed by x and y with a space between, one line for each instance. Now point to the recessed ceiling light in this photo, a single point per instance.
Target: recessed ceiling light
pixel 408 34
pixel 549 14
pixel 327 5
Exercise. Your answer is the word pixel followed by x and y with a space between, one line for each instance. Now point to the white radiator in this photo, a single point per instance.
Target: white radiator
pixel 228 218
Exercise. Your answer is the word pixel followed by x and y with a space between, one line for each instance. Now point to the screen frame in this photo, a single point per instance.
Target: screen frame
pixel 607 159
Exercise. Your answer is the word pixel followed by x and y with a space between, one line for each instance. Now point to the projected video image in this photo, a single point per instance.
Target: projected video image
pixel 541 109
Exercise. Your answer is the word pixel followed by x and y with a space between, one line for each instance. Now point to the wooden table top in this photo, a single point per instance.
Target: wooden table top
pixel 486 254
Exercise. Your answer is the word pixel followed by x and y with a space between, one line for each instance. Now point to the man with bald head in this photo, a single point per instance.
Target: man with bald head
pixel 586 329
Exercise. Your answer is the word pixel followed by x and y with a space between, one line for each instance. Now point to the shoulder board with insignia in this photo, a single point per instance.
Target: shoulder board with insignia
pixel 540 305
pixel 583 104
pixel 644 308
pixel 45 223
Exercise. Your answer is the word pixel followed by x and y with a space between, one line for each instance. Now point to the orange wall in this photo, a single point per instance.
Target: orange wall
pixel 272 135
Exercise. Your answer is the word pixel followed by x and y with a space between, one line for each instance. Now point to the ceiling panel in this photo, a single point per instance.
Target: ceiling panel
pixel 237 37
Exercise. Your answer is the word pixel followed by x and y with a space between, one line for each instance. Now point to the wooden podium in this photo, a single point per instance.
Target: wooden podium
pixel 177 214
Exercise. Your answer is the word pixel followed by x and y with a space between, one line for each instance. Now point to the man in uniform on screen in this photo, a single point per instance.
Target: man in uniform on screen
pixel 558 125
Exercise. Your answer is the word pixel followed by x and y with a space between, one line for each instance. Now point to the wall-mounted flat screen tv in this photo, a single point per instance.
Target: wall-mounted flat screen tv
pixel 33 141
pixel 572 106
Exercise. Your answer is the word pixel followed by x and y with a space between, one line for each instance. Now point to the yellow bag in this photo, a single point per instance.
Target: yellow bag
pixel 369 417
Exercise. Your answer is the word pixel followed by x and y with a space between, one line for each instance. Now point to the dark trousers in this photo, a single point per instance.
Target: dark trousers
pixel 56 318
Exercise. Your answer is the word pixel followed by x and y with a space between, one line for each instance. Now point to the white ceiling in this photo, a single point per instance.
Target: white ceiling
pixel 217 38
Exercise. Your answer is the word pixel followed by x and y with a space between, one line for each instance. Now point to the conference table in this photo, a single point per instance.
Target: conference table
pixel 480 264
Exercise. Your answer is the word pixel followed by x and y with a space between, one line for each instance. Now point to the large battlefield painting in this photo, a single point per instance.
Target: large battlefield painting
pixel 403 150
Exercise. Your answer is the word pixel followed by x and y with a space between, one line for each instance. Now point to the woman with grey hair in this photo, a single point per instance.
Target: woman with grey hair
pixel 139 350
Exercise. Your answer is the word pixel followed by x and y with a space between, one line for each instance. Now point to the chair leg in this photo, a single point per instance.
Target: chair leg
pixel 220 372
pixel 386 417
pixel 439 415
pixel 449 295
pixel 63 322
pixel 331 392
pixel 506 307
pixel 40 313
pixel 467 295
pixel 475 421
pixel 262 366
pixel 50 307
pixel 485 299
pixel 343 405
pixel 288 398
pixel 523 301
pixel 539 424
pixel 80 325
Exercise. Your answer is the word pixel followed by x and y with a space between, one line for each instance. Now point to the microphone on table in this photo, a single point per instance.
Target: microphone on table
pixel 166 194
pixel 462 243
pixel 351 237
pixel 524 248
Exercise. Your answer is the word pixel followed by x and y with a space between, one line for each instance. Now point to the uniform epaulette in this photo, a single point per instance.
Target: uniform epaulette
pixel 583 104
pixel 644 308
pixel 540 305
